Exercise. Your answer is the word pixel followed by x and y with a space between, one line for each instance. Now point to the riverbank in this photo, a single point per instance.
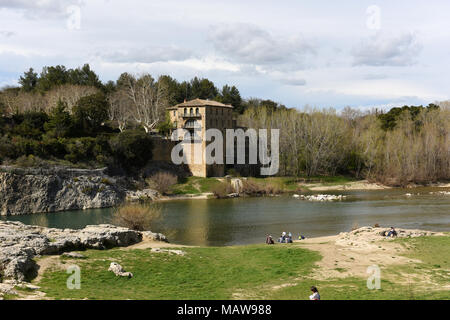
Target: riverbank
pixel 42 190
pixel 414 266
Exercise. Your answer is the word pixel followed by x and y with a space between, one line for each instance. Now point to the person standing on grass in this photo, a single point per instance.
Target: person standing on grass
pixel 315 294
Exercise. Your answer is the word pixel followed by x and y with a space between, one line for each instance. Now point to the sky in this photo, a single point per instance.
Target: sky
pixel 357 53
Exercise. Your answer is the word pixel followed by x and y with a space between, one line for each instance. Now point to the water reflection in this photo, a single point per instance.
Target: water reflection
pixel 242 221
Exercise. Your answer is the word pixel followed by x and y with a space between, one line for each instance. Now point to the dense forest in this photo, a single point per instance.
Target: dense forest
pixel 69 116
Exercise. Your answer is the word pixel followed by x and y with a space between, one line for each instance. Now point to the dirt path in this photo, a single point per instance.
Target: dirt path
pixel 355 185
pixel 148 244
pixel 345 260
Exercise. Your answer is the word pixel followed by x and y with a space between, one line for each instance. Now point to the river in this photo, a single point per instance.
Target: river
pixel 249 220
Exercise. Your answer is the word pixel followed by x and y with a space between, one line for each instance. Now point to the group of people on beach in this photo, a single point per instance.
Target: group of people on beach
pixel 284 238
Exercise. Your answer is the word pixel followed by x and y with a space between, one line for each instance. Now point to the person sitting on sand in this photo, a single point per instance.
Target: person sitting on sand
pixel 301 237
pixel 315 294
pixel 289 238
pixel 392 233
pixel 269 240
pixel 282 238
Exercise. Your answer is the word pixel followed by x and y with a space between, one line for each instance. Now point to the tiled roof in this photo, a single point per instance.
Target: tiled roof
pixel 201 103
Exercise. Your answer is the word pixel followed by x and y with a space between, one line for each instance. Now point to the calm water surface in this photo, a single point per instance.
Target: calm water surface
pixel 249 220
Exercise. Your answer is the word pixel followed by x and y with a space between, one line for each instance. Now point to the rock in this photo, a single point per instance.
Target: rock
pixel 233 195
pixel 20 243
pixel 7 289
pixel 24 285
pixel 146 194
pixel 366 237
pixel 119 271
pixel 296 196
pixel 74 255
pixel 322 197
pixel 24 191
pixel 154 236
pixel 177 252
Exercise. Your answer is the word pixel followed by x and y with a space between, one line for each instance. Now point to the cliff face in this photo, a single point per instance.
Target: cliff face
pixel 25 191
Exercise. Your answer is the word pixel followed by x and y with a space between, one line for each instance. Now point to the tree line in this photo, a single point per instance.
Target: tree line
pixel 70 115
pixel 405 145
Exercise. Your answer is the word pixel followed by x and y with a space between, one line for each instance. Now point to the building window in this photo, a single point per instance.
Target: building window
pixel 197 112
pixel 185 111
pixel 191 112
pixel 192 124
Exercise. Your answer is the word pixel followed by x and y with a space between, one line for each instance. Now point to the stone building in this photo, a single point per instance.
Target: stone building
pixel 197 116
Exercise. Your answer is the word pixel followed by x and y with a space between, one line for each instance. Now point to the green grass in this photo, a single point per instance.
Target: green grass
pixel 330 180
pixel 356 289
pixel 194 185
pixel 434 254
pixel 255 272
pixel 203 273
pixel 197 185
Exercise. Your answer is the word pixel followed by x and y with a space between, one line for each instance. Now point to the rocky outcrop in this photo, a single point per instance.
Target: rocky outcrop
pixel 24 191
pixel 367 237
pixel 20 243
pixel 320 197
pixel 154 236
pixel 119 271
pixel 138 195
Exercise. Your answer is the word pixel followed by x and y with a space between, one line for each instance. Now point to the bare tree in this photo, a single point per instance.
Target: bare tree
pixel 148 98
pixel 119 108
pixel 69 93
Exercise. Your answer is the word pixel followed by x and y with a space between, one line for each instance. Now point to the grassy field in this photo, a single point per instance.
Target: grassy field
pixel 247 272
pixel 197 185
pixel 429 279
pixel 203 273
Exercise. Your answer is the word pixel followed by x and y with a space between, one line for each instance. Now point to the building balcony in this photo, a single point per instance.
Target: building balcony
pixel 192 126
pixel 192 115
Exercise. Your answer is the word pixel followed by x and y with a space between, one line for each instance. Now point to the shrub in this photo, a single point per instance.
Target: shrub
pixel 31 124
pixel 131 148
pixel 28 161
pixel 60 123
pixel 80 149
pixel 253 188
pixel 54 147
pixel 7 148
pixel 222 190
pixel 106 181
pixel 90 112
pixel 137 217
pixel 24 146
pixel 162 181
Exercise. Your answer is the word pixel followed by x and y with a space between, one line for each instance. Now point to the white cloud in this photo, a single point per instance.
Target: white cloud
pixel 294 52
pixel 249 44
pixel 38 8
pixel 386 50
pixel 148 54
pixel 7 34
